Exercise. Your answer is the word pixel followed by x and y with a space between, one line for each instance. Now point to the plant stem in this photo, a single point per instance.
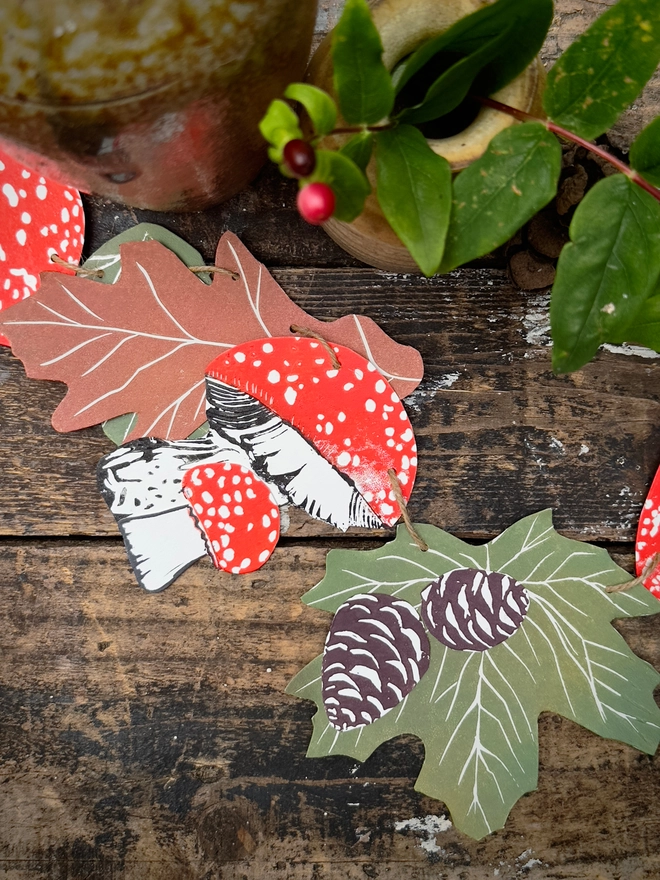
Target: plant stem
pixel 523 116
pixel 358 129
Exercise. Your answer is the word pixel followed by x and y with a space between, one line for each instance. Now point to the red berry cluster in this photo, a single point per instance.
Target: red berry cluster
pixel 316 201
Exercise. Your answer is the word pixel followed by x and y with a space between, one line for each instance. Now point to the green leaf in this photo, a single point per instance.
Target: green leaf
pixel 107 258
pixel 602 72
pixel 497 194
pixel 645 153
pixel 348 183
pixel 362 83
pixel 476 711
pixel 606 272
pixel 644 328
pixel 498 42
pixel 320 107
pixel 278 127
pixel 359 149
pixel 414 192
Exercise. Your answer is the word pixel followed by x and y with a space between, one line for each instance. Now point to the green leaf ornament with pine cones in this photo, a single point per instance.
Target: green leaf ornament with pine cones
pixel 552 648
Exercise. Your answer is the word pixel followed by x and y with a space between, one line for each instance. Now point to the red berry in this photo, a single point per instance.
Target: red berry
pixel 316 203
pixel 299 157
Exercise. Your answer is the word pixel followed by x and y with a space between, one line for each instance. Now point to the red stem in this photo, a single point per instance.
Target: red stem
pixel 569 136
pixel 356 130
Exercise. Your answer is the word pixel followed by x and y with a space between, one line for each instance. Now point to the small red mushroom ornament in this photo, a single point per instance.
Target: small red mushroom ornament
pixel 647 544
pixel 291 421
pixel 38 218
pixel 236 513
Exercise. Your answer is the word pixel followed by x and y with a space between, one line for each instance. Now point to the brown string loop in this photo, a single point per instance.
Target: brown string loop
pixel 650 568
pixel 80 271
pixel 398 493
pixel 214 270
pixel 303 331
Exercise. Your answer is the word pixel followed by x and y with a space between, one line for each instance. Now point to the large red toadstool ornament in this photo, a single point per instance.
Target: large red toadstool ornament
pixel 38 218
pixel 305 423
pixel 349 413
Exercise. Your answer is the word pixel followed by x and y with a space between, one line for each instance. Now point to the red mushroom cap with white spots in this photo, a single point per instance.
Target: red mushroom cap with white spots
pixel 38 218
pixel 235 512
pixel 648 537
pixel 351 415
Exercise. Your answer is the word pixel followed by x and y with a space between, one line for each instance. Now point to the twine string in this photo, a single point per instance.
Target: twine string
pixel 650 568
pixel 303 331
pixel 80 271
pixel 401 501
pixel 214 270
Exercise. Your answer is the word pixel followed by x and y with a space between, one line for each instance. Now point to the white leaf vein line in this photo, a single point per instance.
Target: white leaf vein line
pixel 368 584
pixel 161 305
pixel 74 349
pixel 253 306
pixel 174 405
pixel 135 373
pixel 69 321
pixel 308 684
pixel 513 691
pixel 556 659
pixel 108 355
pixel 202 401
pixel 536 542
pixel 556 620
pixel 371 358
pixel 81 304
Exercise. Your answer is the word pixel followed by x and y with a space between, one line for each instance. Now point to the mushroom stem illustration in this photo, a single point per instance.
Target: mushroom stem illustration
pixel 285 427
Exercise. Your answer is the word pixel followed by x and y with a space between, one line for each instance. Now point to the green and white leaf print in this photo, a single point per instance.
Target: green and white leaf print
pixel 476 711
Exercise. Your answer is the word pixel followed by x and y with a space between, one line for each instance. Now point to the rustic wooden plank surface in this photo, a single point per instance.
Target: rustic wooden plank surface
pixel 499 435
pixel 148 737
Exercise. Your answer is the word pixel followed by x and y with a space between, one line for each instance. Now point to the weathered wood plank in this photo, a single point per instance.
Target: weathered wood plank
pixel 499 436
pixel 148 737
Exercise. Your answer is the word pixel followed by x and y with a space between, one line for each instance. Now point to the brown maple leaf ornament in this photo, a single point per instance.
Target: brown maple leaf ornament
pixel 291 421
pixel 142 344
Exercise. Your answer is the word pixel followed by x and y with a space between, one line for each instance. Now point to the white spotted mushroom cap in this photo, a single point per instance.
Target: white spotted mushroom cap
pixel 38 218
pixel 351 415
pixel 648 537
pixel 235 512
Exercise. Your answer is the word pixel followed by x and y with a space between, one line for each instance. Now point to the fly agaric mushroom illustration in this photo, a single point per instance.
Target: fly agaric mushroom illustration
pixel 304 430
pixel 38 218
pixel 237 514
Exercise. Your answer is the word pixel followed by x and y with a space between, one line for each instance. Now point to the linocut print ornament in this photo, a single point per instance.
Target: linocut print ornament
pixel 464 646
pixel 142 345
pixel 291 421
pixel 647 546
pixel 38 218
pixel 135 352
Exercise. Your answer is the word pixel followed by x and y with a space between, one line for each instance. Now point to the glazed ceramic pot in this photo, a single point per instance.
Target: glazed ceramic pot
pixel 154 103
pixel 403 25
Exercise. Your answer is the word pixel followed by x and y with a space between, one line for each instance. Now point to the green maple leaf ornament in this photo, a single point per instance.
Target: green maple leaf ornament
pixel 540 596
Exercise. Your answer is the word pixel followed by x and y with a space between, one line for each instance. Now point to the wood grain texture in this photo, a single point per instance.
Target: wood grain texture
pixel 499 435
pixel 148 737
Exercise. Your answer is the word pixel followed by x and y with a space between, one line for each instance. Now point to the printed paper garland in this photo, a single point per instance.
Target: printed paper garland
pixel 144 348
pixel 507 630
pixel 267 434
pixel 459 645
